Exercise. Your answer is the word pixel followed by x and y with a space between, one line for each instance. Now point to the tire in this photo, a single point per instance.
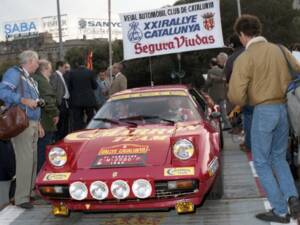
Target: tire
pixel 221 136
pixel 221 140
pixel 217 190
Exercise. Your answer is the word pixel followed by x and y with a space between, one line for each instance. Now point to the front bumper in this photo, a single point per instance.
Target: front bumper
pixel 132 205
pixel 161 198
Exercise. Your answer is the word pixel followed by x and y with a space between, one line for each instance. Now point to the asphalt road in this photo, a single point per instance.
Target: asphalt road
pixel 241 201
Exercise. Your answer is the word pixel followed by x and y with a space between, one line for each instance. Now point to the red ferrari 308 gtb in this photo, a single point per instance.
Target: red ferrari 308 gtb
pixel 146 148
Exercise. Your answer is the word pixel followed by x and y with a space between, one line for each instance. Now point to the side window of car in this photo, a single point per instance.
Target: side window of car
pixel 199 100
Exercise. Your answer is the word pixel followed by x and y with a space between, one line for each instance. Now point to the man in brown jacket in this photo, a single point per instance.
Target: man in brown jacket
pixel 119 82
pixel 260 78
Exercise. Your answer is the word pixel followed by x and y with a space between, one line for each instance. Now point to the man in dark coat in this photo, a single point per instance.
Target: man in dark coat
pixel 59 84
pixel 238 48
pixel 82 83
pixel 50 112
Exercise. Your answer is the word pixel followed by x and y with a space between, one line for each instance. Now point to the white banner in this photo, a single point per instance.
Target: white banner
pixel 175 29
pixel 50 25
pixel 21 29
pixel 99 28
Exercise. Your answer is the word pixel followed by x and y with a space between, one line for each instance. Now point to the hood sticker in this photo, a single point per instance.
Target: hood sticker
pixel 124 149
pixel 179 171
pixel 121 156
pixel 122 160
pixel 56 176
pixel 149 94
pixel 122 134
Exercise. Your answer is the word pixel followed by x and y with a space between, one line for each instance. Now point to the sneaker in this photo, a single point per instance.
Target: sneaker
pixel 272 217
pixel 26 205
pixel 294 206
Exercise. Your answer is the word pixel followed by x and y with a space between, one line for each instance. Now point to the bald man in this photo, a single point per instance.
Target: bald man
pixel 119 82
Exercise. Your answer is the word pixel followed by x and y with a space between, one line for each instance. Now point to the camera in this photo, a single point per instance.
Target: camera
pixel 41 103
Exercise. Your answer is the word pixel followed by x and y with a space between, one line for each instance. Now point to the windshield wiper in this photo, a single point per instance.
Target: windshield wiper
pixel 114 121
pixel 145 117
pixel 107 120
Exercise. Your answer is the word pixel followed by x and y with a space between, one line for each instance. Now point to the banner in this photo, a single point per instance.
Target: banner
pixel 50 25
pixel 98 28
pixel 21 29
pixel 174 29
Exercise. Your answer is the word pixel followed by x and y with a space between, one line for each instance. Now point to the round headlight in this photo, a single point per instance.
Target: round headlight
pixel 183 149
pixel 120 189
pixel 78 190
pixel 57 156
pixel 99 190
pixel 141 188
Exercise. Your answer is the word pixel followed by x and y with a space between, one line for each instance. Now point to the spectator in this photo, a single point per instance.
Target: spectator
pixel 7 169
pixel 25 144
pixel 260 78
pixel 82 84
pixel 67 67
pixel 247 110
pixel 49 115
pixel 101 93
pixel 59 85
pixel 119 81
pixel 238 48
pixel 216 85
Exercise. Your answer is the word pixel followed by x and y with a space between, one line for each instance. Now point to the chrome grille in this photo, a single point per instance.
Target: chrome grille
pixel 168 194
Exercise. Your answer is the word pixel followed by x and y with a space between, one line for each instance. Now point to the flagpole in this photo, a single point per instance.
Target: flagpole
pixel 61 48
pixel 239 7
pixel 109 40
pixel 150 68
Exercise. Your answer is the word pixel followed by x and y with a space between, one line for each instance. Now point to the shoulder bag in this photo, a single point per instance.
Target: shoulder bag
pixel 13 120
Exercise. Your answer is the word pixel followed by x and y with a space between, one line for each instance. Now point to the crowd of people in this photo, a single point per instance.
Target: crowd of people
pixel 55 103
pixel 253 78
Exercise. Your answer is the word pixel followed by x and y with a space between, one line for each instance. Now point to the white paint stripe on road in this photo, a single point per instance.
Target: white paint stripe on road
pixel 268 207
pixel 9 214
pixel 253 169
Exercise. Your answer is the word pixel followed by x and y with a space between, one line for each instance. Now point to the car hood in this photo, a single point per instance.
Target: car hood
pixel 125 146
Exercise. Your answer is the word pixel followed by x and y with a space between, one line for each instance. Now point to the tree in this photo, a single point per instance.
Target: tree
pixel 5 65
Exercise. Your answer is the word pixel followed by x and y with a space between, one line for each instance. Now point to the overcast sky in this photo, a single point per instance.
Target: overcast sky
pixel 11 10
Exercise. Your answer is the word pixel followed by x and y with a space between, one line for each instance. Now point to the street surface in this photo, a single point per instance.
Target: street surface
pixel 243 198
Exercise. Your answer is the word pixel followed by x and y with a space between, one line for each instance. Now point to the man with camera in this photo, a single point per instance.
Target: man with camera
pixel 18 88
pixel 49 112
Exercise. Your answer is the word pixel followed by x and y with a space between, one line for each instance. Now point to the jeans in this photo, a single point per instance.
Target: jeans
pixel 269 141
pixel 42 142
pixel 247 120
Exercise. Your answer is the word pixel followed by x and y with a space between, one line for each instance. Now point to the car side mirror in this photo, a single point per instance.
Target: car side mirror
pixel 215 115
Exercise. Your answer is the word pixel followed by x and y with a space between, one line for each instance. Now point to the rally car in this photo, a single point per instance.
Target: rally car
pixel 146 148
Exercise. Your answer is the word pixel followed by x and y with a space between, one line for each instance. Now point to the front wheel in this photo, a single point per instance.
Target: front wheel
pixel 217 189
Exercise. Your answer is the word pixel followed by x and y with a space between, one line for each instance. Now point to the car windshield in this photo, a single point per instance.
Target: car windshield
pixel 145 110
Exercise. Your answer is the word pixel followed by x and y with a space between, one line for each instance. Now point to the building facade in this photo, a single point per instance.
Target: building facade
pixel 43 43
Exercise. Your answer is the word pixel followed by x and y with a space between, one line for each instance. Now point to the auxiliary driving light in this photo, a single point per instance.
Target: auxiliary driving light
pixel 60 210
pixel 141 188
pixel 99 190
pixel 78 190
pixel 120 189
pixel 184 207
